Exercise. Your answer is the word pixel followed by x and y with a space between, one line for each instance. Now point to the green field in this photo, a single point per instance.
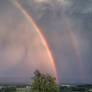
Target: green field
pixel 20 91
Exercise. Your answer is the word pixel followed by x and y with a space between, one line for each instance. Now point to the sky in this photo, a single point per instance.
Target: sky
pixel 66 25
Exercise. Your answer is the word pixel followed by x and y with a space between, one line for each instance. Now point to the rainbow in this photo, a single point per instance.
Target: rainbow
pixel 70 33
pixel 28 16
pixel 75 47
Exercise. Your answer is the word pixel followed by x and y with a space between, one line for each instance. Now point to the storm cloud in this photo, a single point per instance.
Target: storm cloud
pixel 50 16
pixel 21 49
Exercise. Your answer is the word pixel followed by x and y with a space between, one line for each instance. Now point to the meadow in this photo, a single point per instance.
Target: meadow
pixel 20 91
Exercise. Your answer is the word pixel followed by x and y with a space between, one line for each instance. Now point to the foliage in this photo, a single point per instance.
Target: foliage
pixel 44 83
pixel 9 89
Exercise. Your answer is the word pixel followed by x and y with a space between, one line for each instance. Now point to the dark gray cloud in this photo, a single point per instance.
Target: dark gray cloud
pixel 21 49
pixel 80 15
pixel 51 16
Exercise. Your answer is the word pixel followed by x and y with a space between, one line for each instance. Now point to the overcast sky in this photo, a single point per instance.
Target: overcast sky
pixel 21 50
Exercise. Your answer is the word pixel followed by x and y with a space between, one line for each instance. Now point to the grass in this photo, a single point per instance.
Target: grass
pixel 20 91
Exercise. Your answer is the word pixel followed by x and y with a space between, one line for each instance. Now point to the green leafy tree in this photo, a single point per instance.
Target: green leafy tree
pixel 44 83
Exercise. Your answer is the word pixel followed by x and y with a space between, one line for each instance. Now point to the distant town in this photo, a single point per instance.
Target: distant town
pixel 27 87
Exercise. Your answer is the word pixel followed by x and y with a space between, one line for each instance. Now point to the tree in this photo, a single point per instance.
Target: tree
pixel 9 89
pixel 44 83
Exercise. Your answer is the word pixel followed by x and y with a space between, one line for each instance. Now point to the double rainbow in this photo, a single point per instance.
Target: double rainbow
pixel 71 37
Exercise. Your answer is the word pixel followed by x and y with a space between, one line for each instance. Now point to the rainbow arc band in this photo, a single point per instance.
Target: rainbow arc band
pixel 70 34
pixel 30 19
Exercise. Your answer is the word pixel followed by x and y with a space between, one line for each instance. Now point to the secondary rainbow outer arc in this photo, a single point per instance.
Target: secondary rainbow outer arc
pixel 28 16
pixel 73 42
pixel 75 47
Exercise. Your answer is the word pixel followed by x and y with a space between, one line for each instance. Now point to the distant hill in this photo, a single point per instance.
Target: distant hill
pixel 12 80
